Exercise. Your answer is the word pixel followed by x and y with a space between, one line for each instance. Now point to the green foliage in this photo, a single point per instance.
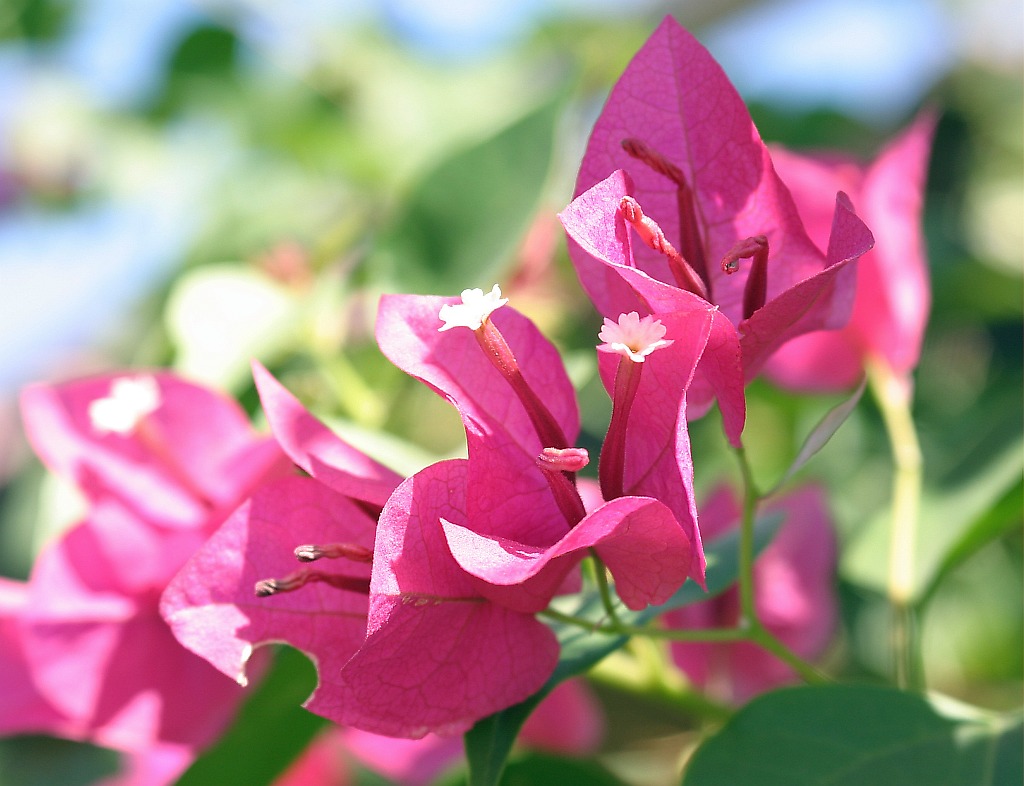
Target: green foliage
pixel 858 735
pixel 271 729
pixel 954 523
pixel 44 761
pixel 462 222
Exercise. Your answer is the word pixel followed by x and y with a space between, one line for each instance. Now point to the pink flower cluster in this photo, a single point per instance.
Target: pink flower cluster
pixel 417 598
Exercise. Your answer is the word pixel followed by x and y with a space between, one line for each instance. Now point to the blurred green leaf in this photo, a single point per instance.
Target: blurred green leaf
pixel 490 741
pixel 44 761
pixel 858 735
pixel 466 217
pixel 821 434
pixel 271 729
pixel 953 524
pixel 540 768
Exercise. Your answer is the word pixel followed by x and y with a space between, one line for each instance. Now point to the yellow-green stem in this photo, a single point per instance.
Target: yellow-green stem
pixel 893 394
pixel 601 577
pixel 748 611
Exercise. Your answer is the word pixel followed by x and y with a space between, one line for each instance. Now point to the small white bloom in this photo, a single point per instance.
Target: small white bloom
pixel 130 400
pixel 474 310
pixel 633 337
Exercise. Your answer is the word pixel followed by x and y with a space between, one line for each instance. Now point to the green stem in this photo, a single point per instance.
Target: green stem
pixel 763 638
pixel 623 629
pixel 893 394
pixel 748 610
pixel 749 621
pixel 749 627
pixel 601 577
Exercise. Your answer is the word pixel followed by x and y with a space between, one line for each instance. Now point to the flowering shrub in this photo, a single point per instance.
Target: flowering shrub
pixel 455 595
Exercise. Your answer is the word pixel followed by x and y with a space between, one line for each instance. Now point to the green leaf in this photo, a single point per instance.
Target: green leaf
pixel 953 524
pixel 858 735
pixel 29 760
pixel 821 434
pixel 462 223
pixel 271 729
pixel 490 741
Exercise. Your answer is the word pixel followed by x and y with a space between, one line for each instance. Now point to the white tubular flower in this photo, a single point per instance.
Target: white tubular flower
pixel 474 310
pixel 633 337
pixel 130 400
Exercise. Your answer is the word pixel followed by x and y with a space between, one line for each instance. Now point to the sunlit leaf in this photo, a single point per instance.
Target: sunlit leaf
pixel 222 316
pixel 858 735
pixel 464 220
pixel 821 434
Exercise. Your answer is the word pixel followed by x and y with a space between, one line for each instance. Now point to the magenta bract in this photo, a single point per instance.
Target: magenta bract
pixel 162 461
pixel 707 180
pixel 893 297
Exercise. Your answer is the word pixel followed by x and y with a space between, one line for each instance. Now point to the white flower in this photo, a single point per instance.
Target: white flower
pixel 474 310
pixel 130 400
pixel 633 337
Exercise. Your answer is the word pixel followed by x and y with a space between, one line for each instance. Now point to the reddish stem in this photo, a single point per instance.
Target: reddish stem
pixel 499 353
pixel 611 467
pixel 689 228
pixel 654 237
pixel 755 291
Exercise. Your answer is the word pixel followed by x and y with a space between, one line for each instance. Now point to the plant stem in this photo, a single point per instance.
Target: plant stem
pixel 748 610
pixel 601 577
pixel 748 628
pixel 764 639
pixel 893 394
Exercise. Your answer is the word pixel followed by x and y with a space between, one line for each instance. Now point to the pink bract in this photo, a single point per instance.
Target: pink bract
pixel 893 297
pixel 516 538
pixel 196 454
pixel 675 99
pixel 794 588
pixel 93 640
pixel 26 710
pixel 211 605
pixel 438 655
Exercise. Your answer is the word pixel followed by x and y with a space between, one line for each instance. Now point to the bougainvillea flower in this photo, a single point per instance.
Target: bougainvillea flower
pixel 520 513
pixel 468 550
pixel 173 452
pixel 703 198
pixel 891 307
pixel 329 518
pixel 437 655
pixel 97 648
pixel 794 590
pixel 25 710
pixel 94 641
pixel 212 605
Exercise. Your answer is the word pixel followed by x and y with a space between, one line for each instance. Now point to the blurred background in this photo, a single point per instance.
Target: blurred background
pixel 192 183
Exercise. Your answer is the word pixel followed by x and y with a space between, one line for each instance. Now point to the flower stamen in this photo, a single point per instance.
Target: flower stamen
pixel 755 291
pixel 304 576
pixel 654 237
pixel 352 551
pixel 689 230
